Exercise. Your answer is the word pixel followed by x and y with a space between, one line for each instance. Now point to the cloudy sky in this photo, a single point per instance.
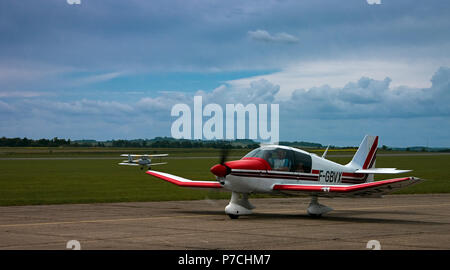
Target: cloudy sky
pixel 338 69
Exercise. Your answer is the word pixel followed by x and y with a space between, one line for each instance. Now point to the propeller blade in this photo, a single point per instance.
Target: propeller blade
pixel 224 155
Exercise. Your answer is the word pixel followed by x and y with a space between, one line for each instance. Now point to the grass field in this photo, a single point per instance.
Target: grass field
pixel 36 152
pixel 24 182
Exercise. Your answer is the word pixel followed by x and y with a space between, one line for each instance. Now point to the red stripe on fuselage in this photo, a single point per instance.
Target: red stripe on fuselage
pixel 275 175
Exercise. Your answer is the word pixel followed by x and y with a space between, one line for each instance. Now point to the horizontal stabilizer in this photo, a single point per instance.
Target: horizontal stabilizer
pixel 381 171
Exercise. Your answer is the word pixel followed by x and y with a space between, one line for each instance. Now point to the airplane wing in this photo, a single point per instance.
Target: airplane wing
pixel 183 182
pixel 376 188
pixel 129 164
pixel 133 155
pixel 382 171
pixel 161 163
pixel 158 155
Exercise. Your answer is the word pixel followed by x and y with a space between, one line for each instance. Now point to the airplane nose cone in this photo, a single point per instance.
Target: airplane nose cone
pixel 219 170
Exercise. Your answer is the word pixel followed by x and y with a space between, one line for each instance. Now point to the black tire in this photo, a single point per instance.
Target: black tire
pixel 233 216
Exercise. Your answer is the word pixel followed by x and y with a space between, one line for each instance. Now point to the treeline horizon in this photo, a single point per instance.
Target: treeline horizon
pixel 168 142
pixel 157 142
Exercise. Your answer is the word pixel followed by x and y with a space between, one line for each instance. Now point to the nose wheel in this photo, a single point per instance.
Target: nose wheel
pixel 238 206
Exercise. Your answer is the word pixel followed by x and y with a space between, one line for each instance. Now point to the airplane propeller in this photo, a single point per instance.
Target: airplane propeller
pixel 223 155
pixel 221 169
pixel 223 158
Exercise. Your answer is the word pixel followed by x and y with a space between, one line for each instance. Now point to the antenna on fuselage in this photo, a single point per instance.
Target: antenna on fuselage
pixel 325 153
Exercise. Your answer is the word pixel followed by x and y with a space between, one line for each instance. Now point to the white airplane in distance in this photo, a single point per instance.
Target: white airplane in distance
pixel 285 170
pixel 143 160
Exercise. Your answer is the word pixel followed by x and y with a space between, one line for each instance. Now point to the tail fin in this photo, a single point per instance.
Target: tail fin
pixel 366 155
pixel 363 161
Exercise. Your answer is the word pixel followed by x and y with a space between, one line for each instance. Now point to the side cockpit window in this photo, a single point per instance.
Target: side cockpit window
pixel 279 159
pixel 302 162
pixel 282 160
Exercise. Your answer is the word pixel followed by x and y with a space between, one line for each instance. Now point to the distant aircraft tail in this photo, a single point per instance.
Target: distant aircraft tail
pixel 365 156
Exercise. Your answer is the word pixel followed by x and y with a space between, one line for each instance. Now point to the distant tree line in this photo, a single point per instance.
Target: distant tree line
pixel 159 142
pixel 25 142
pixel 167 142
pixel 181 143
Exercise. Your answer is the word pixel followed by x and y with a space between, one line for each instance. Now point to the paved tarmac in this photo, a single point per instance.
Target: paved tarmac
pixel 395 221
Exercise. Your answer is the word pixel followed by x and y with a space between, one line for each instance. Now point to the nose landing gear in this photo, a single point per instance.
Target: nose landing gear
pixel 239 205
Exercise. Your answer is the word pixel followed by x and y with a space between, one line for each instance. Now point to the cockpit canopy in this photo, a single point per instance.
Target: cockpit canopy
pixel 282 159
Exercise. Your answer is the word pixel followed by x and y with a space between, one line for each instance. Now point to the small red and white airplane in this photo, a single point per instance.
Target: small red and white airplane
pixel 276 169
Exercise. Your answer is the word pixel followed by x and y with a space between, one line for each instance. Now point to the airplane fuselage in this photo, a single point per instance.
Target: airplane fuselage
pixel 261 179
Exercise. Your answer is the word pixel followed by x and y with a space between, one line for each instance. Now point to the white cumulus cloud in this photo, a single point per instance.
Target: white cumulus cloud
pixel 374 2
pixel 337 73
pixel 263 35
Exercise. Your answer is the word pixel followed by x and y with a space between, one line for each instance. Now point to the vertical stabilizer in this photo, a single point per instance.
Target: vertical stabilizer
pixel 366 155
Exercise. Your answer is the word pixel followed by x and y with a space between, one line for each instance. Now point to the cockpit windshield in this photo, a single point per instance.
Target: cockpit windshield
pixel 281 159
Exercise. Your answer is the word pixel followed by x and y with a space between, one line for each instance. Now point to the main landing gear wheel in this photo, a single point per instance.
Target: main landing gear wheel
pixel 233 216
pixel 315 209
